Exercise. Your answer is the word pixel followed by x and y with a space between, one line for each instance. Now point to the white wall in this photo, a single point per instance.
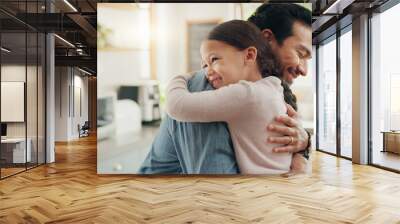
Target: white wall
pixel 68 81
pixel 170 32
pixel 10 73
pixel 126 57
pixel 61 103
pixel 79 117
pixel 116 68
pixel 171 27
pixel 12 101
pixel 128 24
pixel 33 126
pixel 85 98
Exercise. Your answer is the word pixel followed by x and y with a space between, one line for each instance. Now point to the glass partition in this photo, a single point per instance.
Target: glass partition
pixel 14 151
pixel 327 96
pixel 41 109
pixel 32 96
pixel 34 52
pixel 346 93
pixel 23 91
pixel 385 89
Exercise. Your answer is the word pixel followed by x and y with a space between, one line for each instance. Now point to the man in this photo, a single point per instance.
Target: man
pixel 206 148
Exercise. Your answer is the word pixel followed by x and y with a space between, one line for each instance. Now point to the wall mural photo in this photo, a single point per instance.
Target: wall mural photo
pixel 204 88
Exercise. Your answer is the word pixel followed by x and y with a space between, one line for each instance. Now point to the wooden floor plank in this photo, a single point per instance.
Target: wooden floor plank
pixel 70 191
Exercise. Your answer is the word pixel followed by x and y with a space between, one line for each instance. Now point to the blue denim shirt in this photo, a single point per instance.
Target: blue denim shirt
pixel 191 148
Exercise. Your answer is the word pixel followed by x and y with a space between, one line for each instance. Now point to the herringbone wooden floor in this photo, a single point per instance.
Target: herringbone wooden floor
pixel 70 191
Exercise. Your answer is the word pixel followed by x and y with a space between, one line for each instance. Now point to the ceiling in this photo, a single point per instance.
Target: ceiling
pixel 74 21
pixel 332 15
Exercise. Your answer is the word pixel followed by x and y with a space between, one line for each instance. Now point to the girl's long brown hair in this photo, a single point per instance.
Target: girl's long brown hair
pixel 241 35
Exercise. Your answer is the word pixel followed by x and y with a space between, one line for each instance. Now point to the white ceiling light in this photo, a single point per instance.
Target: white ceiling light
pixel 65 41
pixel 331 7
pixel 5 50
pixel 70 5
pixel 337 7
pixel 84 71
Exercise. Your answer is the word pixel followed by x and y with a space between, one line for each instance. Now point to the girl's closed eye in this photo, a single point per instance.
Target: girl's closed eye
pixel 301 54
pixel 213 59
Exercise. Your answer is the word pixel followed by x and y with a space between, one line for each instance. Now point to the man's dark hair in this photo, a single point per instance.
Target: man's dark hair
pixel 279 18
pixel 241 35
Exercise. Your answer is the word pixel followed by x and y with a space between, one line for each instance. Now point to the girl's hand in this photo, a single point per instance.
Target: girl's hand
pixel 298 166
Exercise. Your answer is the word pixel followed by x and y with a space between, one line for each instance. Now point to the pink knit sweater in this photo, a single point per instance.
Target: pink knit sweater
pixel 247 107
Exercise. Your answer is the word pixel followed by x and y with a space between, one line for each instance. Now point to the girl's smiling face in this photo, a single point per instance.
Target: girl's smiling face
pixel 224 64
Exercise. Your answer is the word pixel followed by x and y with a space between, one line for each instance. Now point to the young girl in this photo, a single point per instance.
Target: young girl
pixel 248 95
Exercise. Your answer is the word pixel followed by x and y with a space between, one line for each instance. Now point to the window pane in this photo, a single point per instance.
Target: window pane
pixel 346 94
pixel 327 97
pixel 15 150
pixel 31 100
pixel 41 98
pixel 386 89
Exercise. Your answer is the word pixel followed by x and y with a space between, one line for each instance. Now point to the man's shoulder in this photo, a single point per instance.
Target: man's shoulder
pixel 199 82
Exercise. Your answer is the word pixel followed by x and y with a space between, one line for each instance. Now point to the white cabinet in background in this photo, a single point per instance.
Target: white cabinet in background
pixel 17 145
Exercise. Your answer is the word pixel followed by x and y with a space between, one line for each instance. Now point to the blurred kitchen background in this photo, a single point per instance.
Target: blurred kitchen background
pixel 140 47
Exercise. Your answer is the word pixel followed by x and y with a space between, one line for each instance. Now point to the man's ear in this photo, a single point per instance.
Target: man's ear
pixel 267 33
pixel 270 37
pixel 251 54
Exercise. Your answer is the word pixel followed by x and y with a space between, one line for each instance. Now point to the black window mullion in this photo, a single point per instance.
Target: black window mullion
pixel 26 87
pixel 369 79
pixel 338 73
pixel 317 96
pixel 73 92
pixel 37 90
pixel 45 93
pixel 44 78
